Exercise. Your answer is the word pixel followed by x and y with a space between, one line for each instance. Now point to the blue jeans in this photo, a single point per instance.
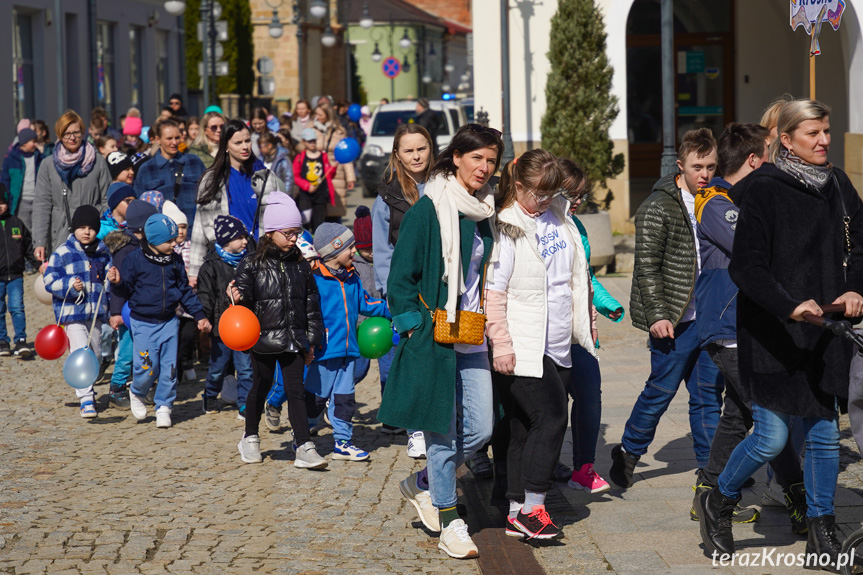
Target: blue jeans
pixel 470 427
pixel 123 359
pixel 384 363
pixel 769 435
pixel 14 290
pixel 673 361
pixel 107 340
pixel 220 356
pixel 155 359
pixel 584 387
pixel 333 380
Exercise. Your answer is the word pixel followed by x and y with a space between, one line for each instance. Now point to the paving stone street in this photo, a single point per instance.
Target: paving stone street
pixel 114 496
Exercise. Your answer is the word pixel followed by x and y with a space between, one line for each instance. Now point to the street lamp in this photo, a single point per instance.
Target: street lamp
pixel 405 42
pixel 427 78
pixel 328 39
pixel 175 7
pixel 276 28
pixel 366 21
pixel 318 8
pixel 406 66
pixel 376 55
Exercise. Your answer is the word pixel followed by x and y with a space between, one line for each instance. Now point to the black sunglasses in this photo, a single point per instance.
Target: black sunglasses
pixel 479 128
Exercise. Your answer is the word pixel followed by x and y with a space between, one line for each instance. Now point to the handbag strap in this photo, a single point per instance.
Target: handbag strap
pixel 481 292
pixel 431 313
pixel 846 221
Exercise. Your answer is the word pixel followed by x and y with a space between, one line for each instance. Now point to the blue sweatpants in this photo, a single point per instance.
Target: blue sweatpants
pixel 123 359
pixel 155 359
pixel 333 380
pixel 384 364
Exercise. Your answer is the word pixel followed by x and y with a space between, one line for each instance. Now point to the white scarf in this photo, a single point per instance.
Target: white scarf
pixel 450 199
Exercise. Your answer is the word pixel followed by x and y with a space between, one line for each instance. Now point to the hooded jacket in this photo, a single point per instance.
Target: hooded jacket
pixel 16 246
pixel 120 243
pixel 665 258
pixel 213 280
pixel 715 293
pixel 13 171
pixel 789 247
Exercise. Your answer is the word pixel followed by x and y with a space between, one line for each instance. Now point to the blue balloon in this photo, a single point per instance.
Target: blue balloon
pixel 396 338
pixel 145 134
pixel 355 112
pixel 81 369
pixel 347 151
pixel 127 316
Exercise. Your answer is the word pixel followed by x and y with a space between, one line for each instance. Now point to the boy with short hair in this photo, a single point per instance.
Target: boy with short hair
pixel 215 275
pixel 16 247
pixel 667 263
pixel 331 375
pixel 75 276
pixel 155 281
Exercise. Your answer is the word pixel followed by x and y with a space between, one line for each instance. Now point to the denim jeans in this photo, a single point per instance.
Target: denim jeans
pixel 155 360
pixel 584 387
pixel 220 357
pixel 384 364
pixel 735 423
pixel 470 427
pixel 332 379
pixel 14 291
pixel 107 341
pixel 123 359
pixel 768 438
pixel 673 361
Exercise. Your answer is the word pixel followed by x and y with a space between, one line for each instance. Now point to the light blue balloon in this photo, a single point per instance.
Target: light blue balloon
pixel 81 369
pixel 145 134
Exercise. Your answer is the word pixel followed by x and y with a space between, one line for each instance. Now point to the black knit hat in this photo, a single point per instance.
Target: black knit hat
pixel 86 216
pixel 228 228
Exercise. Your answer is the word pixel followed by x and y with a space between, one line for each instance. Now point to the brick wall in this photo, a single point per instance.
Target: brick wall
pixel 455 10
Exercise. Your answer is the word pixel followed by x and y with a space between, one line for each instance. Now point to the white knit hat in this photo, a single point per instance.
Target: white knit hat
pixel 171 210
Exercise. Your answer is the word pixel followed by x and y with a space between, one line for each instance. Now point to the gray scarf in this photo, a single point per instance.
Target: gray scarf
pixel 816 177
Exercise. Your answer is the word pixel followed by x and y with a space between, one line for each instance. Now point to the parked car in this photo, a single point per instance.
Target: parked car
pixel 385 120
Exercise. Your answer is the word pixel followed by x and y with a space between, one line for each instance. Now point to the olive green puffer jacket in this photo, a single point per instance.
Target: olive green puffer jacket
pixel 665 259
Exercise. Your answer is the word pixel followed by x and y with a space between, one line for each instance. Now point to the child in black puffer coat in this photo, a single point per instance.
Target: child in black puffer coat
pixel 276 283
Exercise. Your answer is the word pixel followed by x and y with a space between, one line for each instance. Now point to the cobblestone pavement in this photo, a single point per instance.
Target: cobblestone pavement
pixel 115 496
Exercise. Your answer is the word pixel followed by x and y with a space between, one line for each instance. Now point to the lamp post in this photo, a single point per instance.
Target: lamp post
pixel 298 20
pixel 177 8
pixel 508 153
pixel 275 28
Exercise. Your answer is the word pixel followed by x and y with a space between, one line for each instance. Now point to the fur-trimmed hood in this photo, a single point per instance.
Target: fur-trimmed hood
pixel 117 240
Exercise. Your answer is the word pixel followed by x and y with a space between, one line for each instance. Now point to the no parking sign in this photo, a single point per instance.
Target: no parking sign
pixel 391 67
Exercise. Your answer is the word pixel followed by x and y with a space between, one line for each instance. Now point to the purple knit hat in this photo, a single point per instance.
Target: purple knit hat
pixel 281 213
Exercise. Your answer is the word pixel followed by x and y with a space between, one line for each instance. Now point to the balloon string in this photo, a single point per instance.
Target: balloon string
pixel 96 311
pixel 231 294
pixel 63 306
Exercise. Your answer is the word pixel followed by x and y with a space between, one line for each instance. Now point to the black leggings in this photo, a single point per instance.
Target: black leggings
pixel 537 410
pixel 263 372
pixel 188 343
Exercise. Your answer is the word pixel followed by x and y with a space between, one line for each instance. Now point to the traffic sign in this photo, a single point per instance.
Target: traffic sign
pixel 391 67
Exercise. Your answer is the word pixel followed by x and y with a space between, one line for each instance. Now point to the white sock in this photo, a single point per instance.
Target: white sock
pixel 532 499
pixel 514 508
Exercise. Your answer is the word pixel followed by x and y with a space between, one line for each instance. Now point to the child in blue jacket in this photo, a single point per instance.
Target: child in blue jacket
pixel 75 276
pixel 154 281
pixel 331 375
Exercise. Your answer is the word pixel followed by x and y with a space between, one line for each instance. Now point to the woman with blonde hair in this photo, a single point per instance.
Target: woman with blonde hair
pixel 798 244
pixel 330 133
pixel 77 175
pixel 771 115
pixel 206 144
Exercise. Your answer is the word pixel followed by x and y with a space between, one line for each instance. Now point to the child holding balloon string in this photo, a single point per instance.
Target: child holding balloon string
pixel 213 279
pixel 331 376
pixel 154 281
pixel 76 275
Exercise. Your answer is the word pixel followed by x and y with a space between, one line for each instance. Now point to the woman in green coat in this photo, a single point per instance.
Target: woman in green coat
pixel 445 244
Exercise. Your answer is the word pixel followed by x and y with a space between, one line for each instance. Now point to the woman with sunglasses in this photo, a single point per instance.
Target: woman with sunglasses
pixel 539 304
pixel 237 184
pixel 206 144
pixel 76 175
pixel 444 390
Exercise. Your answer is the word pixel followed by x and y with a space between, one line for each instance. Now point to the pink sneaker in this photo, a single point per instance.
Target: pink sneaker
pixel 588 480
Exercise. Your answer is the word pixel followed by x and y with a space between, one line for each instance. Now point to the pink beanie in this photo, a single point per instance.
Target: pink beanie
pixel 25 123
pixel 132 126
pixel 281 213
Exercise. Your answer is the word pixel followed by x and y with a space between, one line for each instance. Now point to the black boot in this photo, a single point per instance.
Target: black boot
pixel 622 466
pixel 795 504
pixel 119 396
pixel 822 541
pixel 715 511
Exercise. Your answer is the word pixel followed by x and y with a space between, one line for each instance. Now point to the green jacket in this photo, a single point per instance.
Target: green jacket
pixel 665 258
pixel 420 391
pixel 202 152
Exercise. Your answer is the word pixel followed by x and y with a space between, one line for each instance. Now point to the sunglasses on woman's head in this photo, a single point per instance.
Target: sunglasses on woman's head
pixel 479 129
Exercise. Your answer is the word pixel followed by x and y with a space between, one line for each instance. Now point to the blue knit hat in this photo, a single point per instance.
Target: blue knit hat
pixel 119 191
pixel 160 229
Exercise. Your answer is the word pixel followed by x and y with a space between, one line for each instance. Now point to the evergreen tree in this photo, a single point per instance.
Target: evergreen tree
pixel 579 104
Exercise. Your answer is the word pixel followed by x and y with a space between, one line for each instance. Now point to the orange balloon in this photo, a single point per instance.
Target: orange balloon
pixel 239 329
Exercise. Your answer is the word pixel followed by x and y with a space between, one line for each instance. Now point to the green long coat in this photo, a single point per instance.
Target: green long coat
pixel 420 390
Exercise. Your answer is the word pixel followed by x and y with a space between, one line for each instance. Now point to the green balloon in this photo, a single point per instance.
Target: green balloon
pixel 375 337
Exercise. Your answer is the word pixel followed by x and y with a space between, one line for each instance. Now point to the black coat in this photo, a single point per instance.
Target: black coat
pixel 788 248
pixel 429 120
pixel 213 280
pixel 284 296
pixel 16 245
pixel 393 196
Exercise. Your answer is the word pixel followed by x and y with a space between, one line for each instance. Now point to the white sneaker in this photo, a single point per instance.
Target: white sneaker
pixel 307 457
pixel 421 500
pixel 136 404
pixel 250 449
pixel 163 417
pixel 417 445
pixel 190 375
pixel 456 542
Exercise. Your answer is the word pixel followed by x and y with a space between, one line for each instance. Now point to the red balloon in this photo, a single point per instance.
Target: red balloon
pixel 239 329
pixel 51 342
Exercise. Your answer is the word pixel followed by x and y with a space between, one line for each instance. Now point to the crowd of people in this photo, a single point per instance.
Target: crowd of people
pixel 143 247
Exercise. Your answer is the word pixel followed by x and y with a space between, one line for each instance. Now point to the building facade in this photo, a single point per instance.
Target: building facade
pixel 732 59
pixel 80 54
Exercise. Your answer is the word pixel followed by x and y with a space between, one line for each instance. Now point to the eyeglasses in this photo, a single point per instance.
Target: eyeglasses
pixel 479 129
pixel 290 234
pixel 216 128
pixel 72 135
pixel 544 199
pixel 574 199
